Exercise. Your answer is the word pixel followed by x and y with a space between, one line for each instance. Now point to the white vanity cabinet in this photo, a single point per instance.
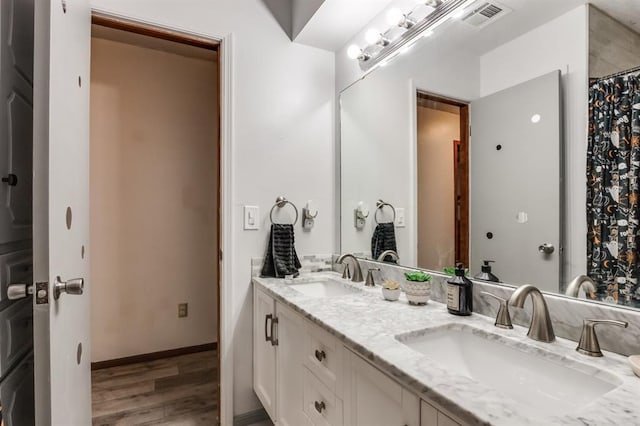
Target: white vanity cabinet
pixel 303 375
pixel 372 398
pixel 278 350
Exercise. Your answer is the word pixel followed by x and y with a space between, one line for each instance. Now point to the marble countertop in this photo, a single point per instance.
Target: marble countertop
pixel 368 324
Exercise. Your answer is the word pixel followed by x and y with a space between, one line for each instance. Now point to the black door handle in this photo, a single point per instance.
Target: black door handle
pixel 11 179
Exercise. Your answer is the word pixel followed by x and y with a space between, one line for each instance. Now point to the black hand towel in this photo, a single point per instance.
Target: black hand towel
pixel 281 258
pixel 384 238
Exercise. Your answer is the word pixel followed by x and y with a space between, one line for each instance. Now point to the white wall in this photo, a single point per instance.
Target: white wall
pixel 559 44
pixel 283 137
pixel 379 121
pixel 153 199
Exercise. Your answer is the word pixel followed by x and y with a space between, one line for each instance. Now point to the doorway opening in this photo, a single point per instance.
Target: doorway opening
pixel 443 181
pixel 155 225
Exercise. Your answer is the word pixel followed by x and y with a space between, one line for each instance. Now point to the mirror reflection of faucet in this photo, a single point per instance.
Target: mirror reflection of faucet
pixel 581 282
pixel 394 256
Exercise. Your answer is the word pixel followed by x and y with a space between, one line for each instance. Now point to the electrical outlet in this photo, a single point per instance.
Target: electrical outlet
pixel 183 310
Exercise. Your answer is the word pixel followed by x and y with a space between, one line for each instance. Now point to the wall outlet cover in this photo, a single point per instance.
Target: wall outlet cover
pixel 183 310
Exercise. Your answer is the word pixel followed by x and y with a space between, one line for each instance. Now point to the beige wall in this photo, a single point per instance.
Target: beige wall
pixel 153 199
pixel 436 226
pixel 612 46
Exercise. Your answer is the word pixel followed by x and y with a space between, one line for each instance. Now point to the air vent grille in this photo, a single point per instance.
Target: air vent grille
pixel 490 11
pixel 485 13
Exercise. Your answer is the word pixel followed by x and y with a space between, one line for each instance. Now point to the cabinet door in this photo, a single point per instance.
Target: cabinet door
pixel 290 333
pixel 373 399
pixel 264 351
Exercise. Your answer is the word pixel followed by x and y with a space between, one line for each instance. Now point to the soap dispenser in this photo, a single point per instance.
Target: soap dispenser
pixel 486 274
pixel 460 293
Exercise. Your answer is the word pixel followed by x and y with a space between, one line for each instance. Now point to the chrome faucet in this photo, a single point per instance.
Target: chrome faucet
pixel 588 344
pixel 540 328
pixel 386 253
pixel 357 271
pixel 581 281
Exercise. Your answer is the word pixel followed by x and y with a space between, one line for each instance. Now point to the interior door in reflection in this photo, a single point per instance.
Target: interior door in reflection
pixel 515 170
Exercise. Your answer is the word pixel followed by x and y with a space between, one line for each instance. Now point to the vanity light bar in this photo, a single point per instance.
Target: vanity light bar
pixel 372 56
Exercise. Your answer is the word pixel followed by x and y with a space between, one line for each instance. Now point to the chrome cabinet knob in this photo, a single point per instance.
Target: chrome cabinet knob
pixel 73 286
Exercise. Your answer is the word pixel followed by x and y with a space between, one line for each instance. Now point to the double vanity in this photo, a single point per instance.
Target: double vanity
pixel 329 351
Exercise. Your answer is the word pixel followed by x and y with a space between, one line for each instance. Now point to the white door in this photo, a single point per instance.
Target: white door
pixel 515 166
pixel 61 212
pixel 264 351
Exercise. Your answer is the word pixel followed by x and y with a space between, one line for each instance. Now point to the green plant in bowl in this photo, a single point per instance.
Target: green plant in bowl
pixel 417 276
pixel 451 270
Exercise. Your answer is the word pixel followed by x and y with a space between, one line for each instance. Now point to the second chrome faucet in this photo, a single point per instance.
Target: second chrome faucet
pixel 540 328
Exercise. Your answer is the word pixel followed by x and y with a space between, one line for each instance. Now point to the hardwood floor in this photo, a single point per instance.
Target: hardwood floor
pixel 181 390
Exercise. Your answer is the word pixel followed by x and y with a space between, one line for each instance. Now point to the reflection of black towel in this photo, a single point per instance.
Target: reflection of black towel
pixel 384 238
pixel 281 258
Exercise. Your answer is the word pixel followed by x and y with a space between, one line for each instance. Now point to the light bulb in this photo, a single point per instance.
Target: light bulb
pixel 354 51
pixel 458 14
pixel 395 16
pixel 372 36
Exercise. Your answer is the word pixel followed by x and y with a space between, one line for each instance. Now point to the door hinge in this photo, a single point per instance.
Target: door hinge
pixel 42 293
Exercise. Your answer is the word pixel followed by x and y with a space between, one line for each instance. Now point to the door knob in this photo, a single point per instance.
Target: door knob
pixel 19 291
pixel 546 248
pixel 10 179
pixel 73 286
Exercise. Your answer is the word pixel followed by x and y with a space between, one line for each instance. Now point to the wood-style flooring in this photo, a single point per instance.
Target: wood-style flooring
pixel 180 390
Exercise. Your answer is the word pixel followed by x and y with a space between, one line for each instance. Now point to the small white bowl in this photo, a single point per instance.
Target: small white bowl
pixel 391 294
pixel 417 299
pixel 634 360
pixel 417 288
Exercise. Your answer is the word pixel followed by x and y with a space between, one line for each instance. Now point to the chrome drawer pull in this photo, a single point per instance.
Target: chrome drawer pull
pixel 320 355
pixel 319 406
pixel 267 338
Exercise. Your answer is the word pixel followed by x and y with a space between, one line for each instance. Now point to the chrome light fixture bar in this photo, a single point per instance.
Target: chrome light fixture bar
pixel 372 56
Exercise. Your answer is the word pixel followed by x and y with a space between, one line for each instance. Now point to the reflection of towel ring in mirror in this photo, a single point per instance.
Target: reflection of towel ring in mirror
pixel 379 206
pixel 280 203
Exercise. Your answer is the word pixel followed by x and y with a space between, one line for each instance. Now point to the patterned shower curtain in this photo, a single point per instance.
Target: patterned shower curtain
pixel 613 189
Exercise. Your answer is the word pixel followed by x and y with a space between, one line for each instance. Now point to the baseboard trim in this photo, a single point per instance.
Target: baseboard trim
pixel 153 356
pixel 251 417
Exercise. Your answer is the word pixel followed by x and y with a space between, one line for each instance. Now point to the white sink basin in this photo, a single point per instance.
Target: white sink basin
pixel 325 288
pixel 543 385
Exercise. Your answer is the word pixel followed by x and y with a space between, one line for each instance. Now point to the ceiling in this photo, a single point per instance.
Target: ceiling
pixel 333 23
pixel 336 21
pixel 624 11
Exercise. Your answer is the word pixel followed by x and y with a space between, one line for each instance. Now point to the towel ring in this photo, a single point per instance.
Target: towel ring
pixel 379 206
pixel 280 203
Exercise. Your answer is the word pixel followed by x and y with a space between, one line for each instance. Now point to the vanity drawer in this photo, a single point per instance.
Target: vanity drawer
pixel 320 404
pixel 323 356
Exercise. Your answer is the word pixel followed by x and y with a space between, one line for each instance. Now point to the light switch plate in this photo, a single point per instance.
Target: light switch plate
pixel 251 218
pixel 400 219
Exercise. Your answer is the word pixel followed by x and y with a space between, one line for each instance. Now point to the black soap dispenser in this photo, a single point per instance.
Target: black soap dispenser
pixel 486 274
pixel 460 293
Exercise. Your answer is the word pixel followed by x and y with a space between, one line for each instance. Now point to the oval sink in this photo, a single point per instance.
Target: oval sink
pixel 325 288
pixel 545 383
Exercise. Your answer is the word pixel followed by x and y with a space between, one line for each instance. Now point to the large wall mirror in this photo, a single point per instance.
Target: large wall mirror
pixel 512 142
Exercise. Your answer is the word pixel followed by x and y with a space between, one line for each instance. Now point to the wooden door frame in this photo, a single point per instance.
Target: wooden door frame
pixel 222 44
pixel 461 241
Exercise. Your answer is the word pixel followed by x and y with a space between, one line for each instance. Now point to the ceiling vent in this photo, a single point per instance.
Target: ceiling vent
pixel 485 13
